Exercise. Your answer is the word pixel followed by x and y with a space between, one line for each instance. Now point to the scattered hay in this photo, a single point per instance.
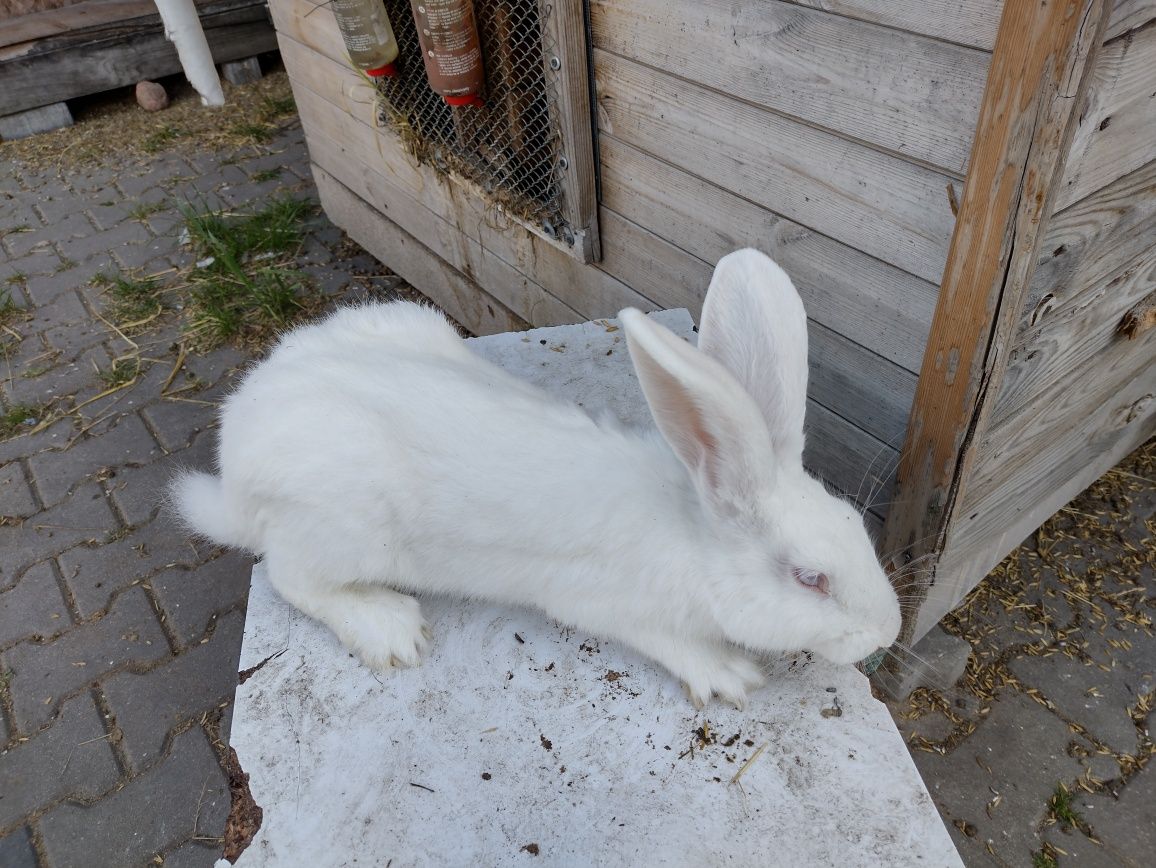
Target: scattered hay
pixel 1080 580
pixel 118 131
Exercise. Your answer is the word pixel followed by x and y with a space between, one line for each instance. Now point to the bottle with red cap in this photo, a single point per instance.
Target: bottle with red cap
pixel 451 49
pixel 368 35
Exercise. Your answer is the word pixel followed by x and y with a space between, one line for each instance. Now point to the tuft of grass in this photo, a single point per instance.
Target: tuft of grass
pixel 273 107
pixel 1044 859
pixel 21 416
pixel 16 278
pixel 8 306
pixel 1061 808
pixel 159 139
pixel 5 677
pixel 123 370
pixel 259 133
pixel 65 264
pixel 130 299
pixel 265 175
pixel 143 210
pixel 244 287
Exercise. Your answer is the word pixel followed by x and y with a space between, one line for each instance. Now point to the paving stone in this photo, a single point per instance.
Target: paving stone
pixel 1019 751
pixel 145 256
pixel 28 242
pixel 149 706
pixel 42 674
pixel 190 598
pixel 33 606
pixel 41 261
pixel 23 445
pixel 1127 826
pixel 16 849
pixel 93 573
pixel 72 757
pixel 109 240
pixel 58 205
pixel 128 441
pixel 193 855
pixel 183 796
pixel 163 170
pixel 1097 699
pixel 93 182
pixel 178 423
pixel 84 516
pixel 16 498
pixel 46 288
pixel 73 224
pixel 59 380
pixel 73 336
pixel 140 492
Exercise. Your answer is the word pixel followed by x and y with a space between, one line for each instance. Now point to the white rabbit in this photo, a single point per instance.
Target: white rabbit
pixel 374 454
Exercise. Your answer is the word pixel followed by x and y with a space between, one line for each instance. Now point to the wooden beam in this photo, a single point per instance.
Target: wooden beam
pixel 1029 111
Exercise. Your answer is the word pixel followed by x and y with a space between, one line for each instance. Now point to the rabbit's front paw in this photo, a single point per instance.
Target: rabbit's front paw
pixel 728 674
pixel 386 629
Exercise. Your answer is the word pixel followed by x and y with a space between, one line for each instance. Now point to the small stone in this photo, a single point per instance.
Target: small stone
pixel 151 96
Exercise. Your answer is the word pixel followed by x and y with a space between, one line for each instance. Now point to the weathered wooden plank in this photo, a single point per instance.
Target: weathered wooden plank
pixel 575 123
pixel 447 287
pixel 1117 131
pixel 1130 15
pixel 518 293
pixel 874 304
pixel 25 29
pixel 894 210
pixel 334 99
pixel 125 53
pixel 914 96
pixel 1038 460
pixel 1029 113
pixel 1097 262
pixel 870 394
pixel 972 23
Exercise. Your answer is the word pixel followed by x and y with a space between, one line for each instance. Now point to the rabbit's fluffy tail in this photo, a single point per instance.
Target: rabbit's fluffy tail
pixel 200 500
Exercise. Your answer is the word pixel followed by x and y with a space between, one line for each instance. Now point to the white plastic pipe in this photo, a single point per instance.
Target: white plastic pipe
pixel 183 29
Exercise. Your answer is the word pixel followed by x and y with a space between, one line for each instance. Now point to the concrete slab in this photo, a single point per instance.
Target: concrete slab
pixel 519 737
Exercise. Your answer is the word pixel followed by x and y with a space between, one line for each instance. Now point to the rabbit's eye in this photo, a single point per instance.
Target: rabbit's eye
pixel 811 579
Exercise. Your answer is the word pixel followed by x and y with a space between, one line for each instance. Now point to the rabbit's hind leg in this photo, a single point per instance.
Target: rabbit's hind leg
pixel 383 627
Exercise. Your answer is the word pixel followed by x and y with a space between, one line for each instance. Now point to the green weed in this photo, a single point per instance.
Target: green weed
pixel 121 371
pixel 159 139
pixel 265 175
pixel 245 288
pixel 20 416
pixel 275 106
pixel 259 133
pixel 1060 806
pixel 143 210
pixel 129 299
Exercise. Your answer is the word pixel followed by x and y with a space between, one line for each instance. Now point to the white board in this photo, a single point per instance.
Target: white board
pixel 522 742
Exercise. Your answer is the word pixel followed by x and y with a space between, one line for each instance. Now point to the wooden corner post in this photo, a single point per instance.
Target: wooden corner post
pixel 1029 111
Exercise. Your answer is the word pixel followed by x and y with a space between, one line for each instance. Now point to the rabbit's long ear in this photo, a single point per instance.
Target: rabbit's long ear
pixel 709 421
pixel 754 325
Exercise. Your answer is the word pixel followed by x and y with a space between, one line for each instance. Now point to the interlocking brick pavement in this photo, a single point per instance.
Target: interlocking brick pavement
pixel 119 635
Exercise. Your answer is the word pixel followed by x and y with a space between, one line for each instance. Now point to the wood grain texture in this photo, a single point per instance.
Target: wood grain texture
pixel 1117 131
pixel 874 304
pixel 1130 15
pixel 1036 80
pixel 1096 262
pixel 1038 460
pixel 911 95
pixel 336 103
pixel 870 395
pixel 99 59
pixel 448 288
pixel 874 202
pixel 575 121
pixel 966 22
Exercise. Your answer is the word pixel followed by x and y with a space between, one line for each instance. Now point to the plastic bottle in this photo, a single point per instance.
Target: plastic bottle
pixel 451 49
pixel 368 35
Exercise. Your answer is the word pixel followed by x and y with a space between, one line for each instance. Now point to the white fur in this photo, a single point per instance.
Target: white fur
pixel 373 453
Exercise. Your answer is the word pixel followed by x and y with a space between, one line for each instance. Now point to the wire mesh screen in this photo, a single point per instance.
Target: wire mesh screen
pixel 510 146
